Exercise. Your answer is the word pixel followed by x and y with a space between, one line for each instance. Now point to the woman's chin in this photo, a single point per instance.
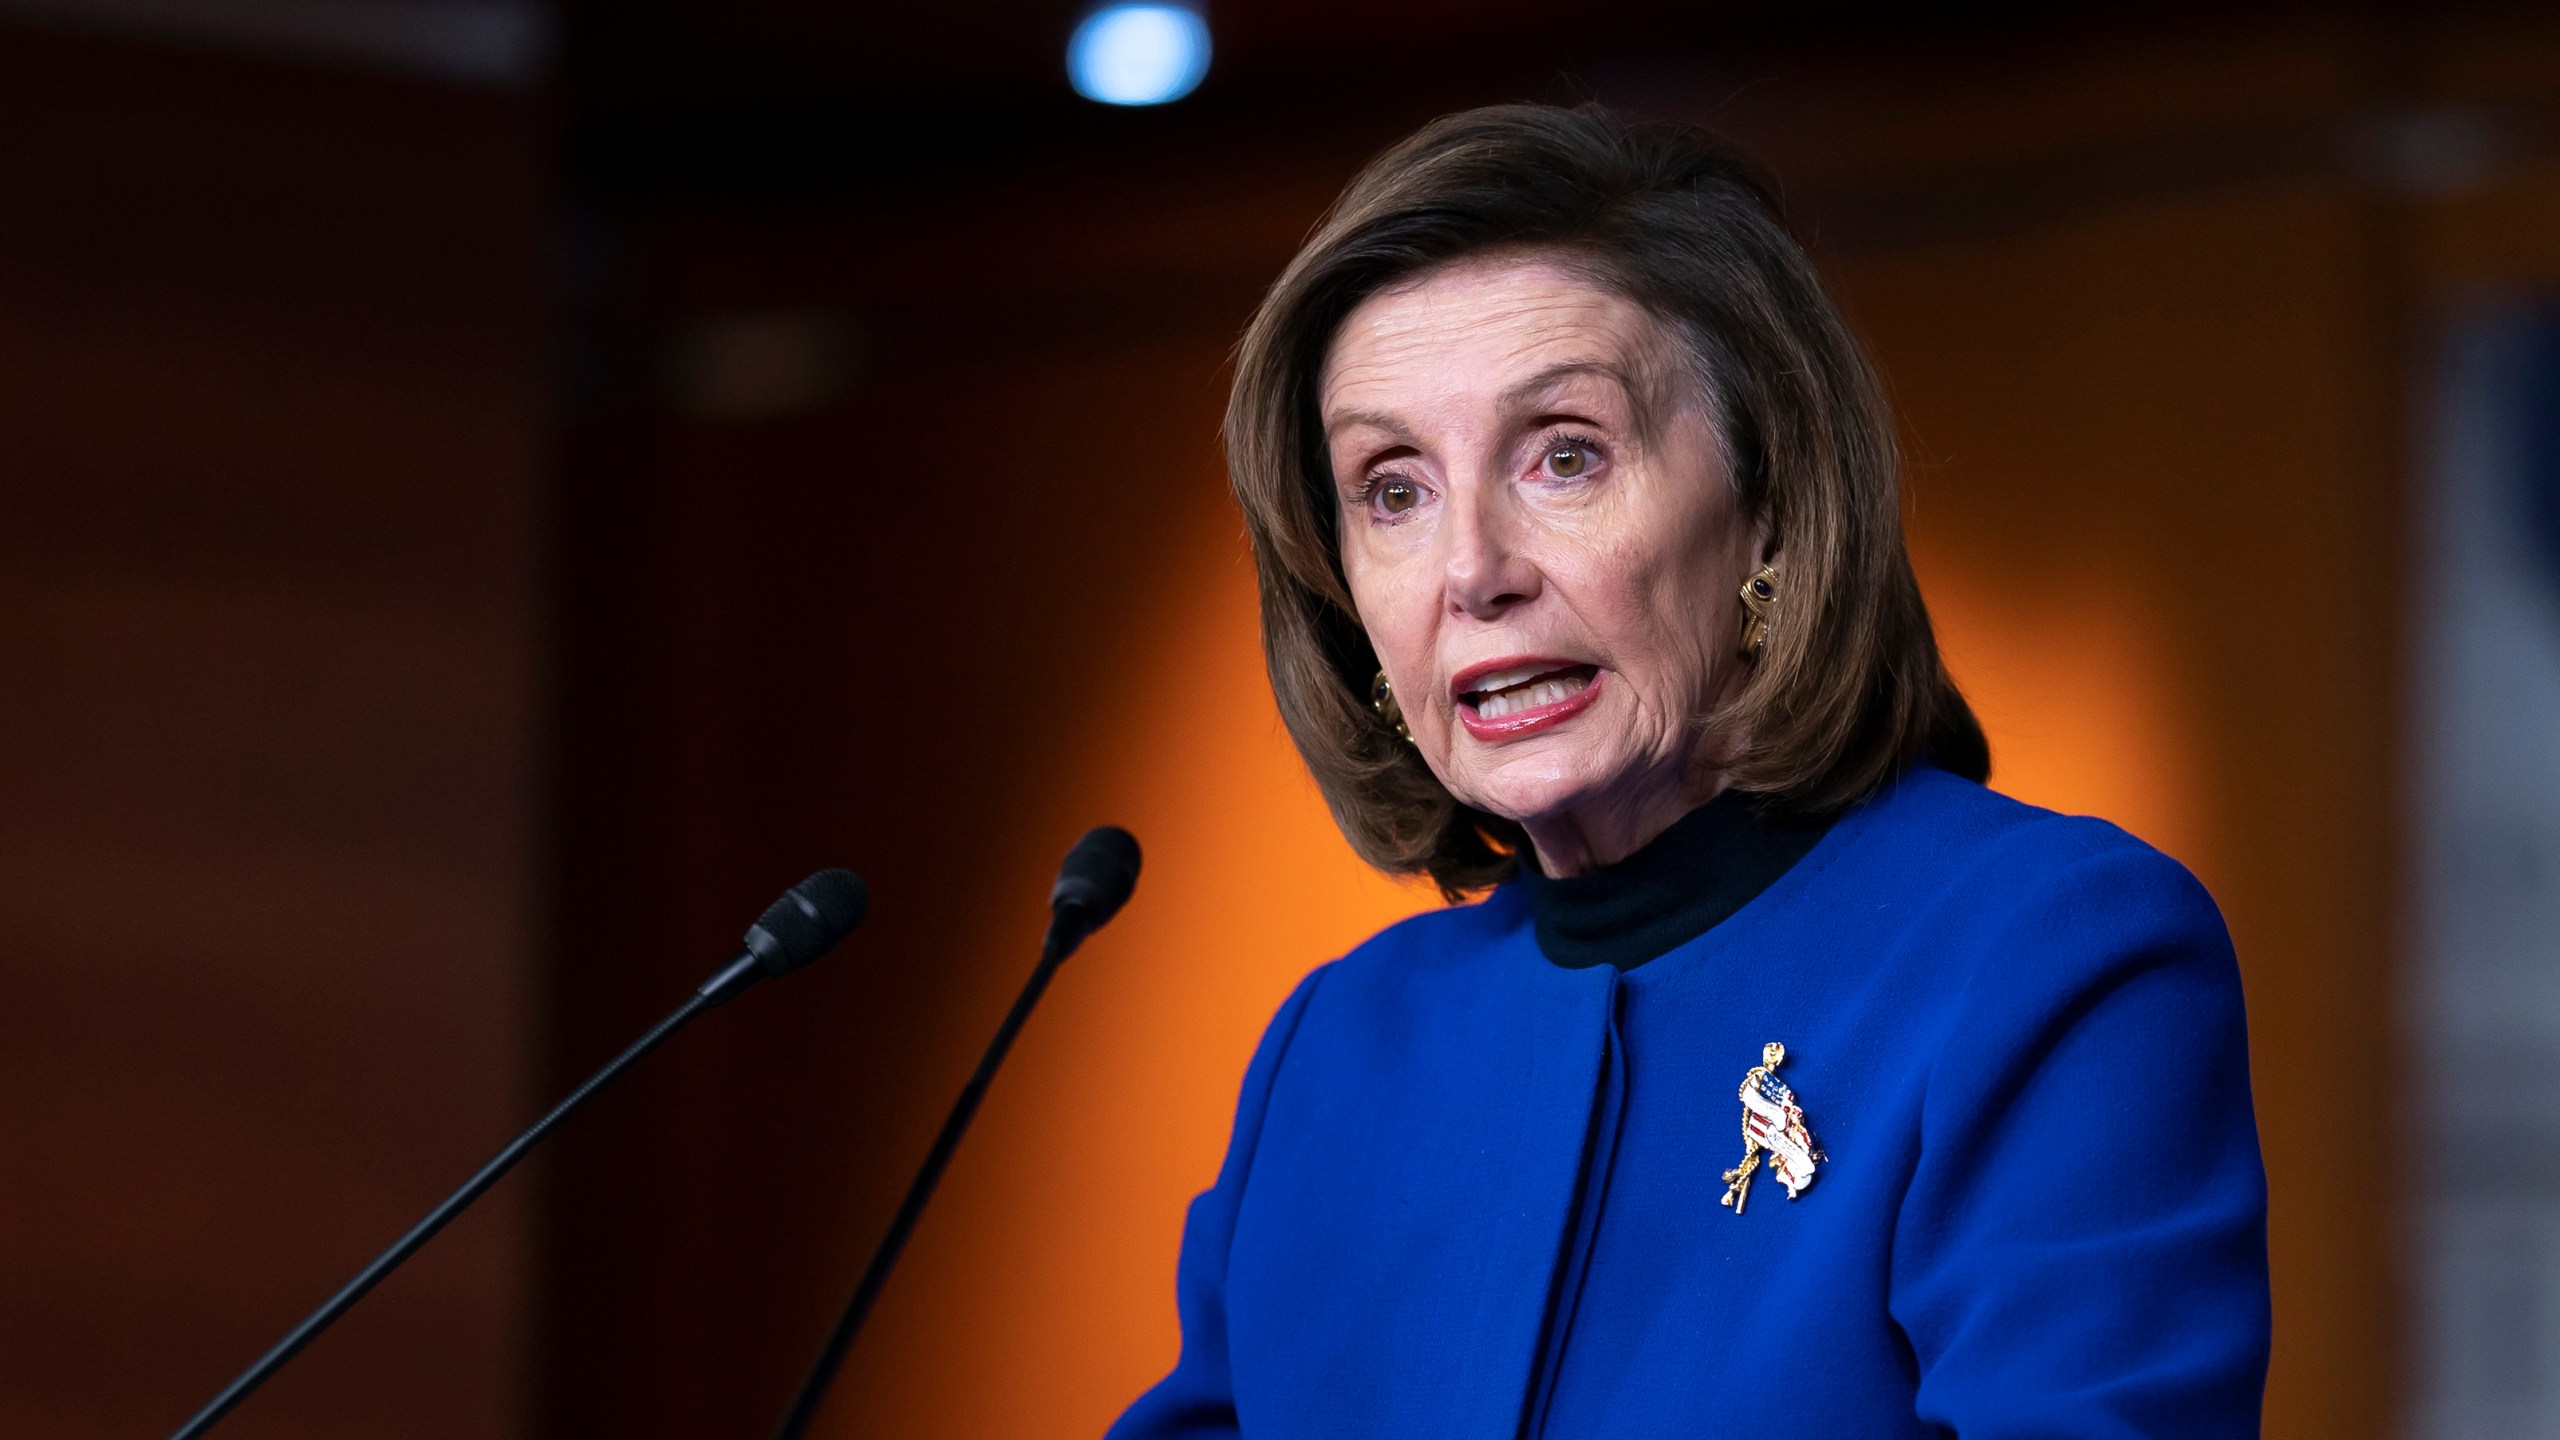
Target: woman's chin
pixel 1528 789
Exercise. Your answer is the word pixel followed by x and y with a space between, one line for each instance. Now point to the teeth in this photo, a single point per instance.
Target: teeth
pixel 1504 679
pixel 1528 697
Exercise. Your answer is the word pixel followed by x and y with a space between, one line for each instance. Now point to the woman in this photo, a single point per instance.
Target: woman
pixel 1787 1081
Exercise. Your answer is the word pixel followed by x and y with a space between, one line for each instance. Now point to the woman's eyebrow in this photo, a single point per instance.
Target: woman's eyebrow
pixel 1342 420
pixel 1529 393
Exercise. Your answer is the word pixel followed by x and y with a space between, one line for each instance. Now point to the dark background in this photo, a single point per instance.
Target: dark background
pixel 471 532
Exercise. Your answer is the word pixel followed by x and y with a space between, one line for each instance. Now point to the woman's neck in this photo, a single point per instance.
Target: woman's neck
pixel 1582 838
pixel 1691 878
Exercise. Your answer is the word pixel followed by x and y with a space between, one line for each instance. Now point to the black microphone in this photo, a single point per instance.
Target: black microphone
pixel 1093 883
pixel 809 920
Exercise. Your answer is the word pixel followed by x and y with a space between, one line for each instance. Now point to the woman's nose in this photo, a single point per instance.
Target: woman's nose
pixel 1486 567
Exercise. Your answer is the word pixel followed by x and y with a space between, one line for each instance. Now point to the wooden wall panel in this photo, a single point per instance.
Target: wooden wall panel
pixel 271 351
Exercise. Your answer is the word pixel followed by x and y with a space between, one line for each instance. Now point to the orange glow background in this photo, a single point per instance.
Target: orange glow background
pixel 1037 1300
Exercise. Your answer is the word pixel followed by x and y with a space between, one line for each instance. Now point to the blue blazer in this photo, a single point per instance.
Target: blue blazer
pixel 1473 1194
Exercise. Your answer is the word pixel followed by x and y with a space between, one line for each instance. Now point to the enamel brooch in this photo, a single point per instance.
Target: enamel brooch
pixel 1772 1125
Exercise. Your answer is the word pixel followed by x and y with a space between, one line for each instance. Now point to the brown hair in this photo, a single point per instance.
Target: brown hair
pixel 1849 689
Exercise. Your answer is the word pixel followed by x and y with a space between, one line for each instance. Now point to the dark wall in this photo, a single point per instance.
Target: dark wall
pixel 272 377
pixel 860 633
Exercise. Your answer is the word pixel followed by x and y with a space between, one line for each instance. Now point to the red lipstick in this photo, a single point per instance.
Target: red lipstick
pixel 1515 674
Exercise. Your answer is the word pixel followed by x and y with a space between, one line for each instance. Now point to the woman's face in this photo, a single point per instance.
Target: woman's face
pixel 1544 546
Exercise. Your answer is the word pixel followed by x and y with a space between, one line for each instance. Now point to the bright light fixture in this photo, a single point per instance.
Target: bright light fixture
pixel 1139 54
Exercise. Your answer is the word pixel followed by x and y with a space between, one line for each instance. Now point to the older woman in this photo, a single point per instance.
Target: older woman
pixel 1787 1081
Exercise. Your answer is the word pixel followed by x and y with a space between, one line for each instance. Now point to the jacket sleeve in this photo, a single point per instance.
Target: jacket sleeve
pixel 1198 1398
pixel 2082 1250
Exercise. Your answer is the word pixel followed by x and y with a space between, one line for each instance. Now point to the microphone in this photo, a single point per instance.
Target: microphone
pixel 1093 883
pixel 809 920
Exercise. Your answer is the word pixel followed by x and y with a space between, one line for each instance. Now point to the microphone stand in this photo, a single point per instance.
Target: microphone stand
pixel 1066 931
pixel 425 1230
pixel 810 919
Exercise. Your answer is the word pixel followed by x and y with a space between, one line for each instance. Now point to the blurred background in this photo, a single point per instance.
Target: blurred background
pixel 490 493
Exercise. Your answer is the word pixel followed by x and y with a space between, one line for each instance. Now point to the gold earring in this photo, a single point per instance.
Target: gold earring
pixel 1382 698
pixel 1760 609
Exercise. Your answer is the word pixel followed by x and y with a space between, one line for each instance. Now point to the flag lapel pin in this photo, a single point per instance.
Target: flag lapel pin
pixel 1772 1125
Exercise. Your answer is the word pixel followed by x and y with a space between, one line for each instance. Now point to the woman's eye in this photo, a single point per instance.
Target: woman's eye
pixel 1397 496
pixel 1567 460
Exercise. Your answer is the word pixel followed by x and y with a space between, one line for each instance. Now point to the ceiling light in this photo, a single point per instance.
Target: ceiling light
pixel 1139 54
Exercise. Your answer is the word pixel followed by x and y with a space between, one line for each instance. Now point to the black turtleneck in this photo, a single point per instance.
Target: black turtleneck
pixel 1683 883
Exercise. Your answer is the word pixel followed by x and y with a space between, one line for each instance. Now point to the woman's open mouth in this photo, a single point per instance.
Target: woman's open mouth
pixel 1511 698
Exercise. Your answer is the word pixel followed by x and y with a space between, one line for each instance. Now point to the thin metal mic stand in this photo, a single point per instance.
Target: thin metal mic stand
pixel 1062 941
pixel 809 920
pixel 425 1230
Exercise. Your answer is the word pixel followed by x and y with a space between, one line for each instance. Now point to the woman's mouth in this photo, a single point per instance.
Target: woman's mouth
pixel 1514 698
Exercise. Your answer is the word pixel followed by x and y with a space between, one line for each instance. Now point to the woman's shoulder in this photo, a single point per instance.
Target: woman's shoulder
pixel 1439 942
pixel 1966 840
pixel 1456 957
pixel 2040 901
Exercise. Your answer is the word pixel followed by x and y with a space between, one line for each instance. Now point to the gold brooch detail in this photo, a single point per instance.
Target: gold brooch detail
pixel 1772 1124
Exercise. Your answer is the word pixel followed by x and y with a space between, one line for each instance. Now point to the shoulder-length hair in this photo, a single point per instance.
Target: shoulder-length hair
pixel 1849 688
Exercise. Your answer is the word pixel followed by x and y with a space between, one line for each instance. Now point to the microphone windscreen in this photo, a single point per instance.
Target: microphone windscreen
pixel 810 919
pixel 1098 874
